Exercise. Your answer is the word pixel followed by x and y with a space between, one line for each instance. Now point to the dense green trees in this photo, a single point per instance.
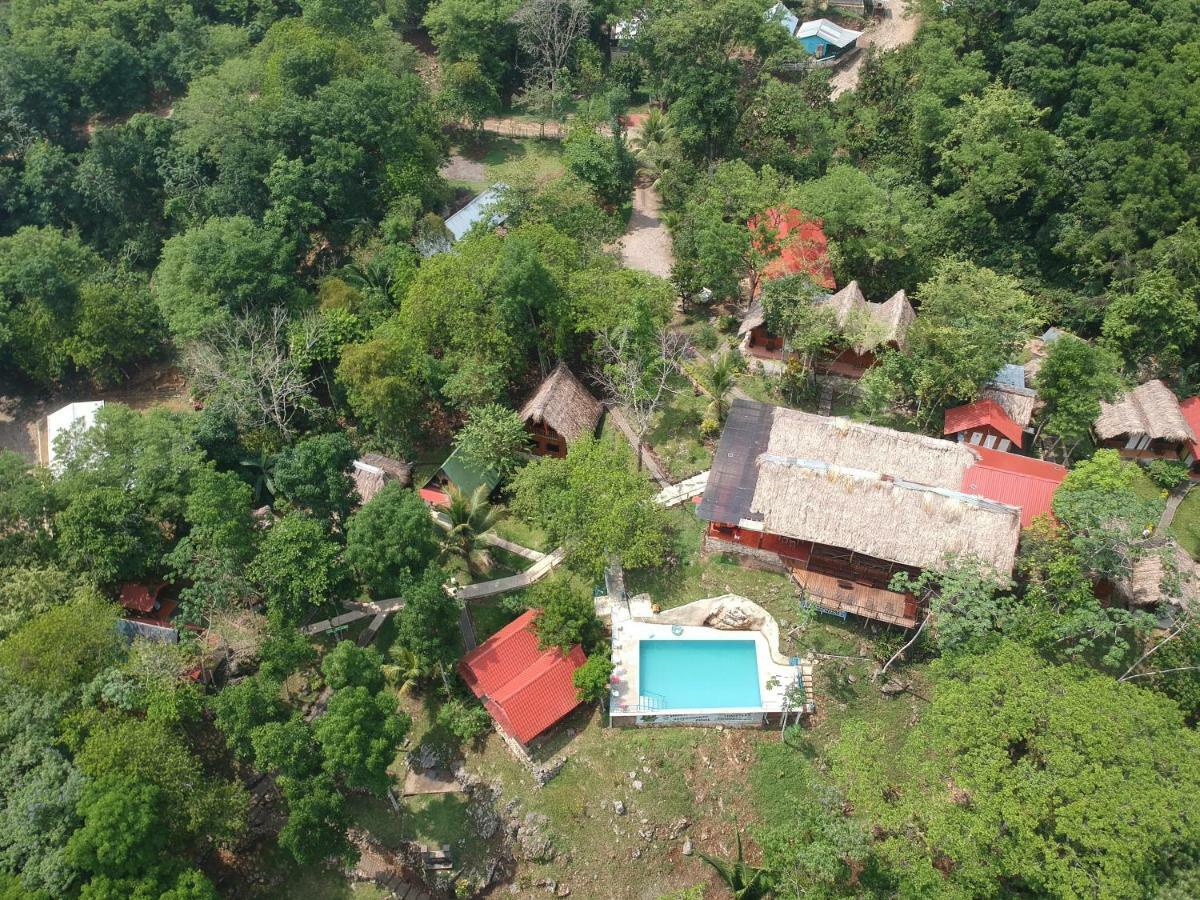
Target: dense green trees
pixel 1024 776
pixel 596 504
pixel 390 541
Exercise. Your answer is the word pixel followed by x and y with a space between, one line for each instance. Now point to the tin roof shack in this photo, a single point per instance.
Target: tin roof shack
pixel 560 412
pixel 824 39
pixel 463 474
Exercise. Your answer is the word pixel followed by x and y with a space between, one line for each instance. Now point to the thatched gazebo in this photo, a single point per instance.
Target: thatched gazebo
pixel 560 412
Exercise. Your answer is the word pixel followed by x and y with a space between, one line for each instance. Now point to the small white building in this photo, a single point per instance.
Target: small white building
pixel 68 424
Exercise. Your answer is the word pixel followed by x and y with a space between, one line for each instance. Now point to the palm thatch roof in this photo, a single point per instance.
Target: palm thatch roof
pixel 564 404
pixel 854 445
pixel 755 316
pixel 1017 404
pixel 373 470
pixel 847 301
pixel 1165 574
pixel 908 523
pixel 887 494
pixel 1151 410
pixel 893 316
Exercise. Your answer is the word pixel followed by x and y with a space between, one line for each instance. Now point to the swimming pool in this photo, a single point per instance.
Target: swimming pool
pixel 716 674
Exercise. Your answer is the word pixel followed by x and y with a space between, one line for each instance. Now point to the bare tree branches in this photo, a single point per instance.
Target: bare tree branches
pixel 548 30
pixel 635 375
pixel 245 369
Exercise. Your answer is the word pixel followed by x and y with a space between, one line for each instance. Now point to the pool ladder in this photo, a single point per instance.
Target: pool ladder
pixel 651 702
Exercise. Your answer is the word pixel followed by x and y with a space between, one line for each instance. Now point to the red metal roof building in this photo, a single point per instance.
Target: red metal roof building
pixel 976 422
pixel 526 689
pixel 140 598
pixel 1014 480
pixel 803 248
pixel 1191 414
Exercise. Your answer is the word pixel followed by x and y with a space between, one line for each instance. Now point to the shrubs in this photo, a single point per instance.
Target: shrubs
pixel 591 679
pixel 1166 473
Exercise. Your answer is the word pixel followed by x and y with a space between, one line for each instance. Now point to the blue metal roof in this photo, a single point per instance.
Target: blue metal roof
pixel 1010 375
pixel 476 211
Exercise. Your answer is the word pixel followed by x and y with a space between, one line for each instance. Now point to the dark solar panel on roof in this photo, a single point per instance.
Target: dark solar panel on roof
pixel 734 474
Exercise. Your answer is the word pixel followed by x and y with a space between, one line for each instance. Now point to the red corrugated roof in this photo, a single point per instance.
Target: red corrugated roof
pixel 1191 414
pixel 981 413
pixel 140 597
pixel 524 688
pixel 1016 480
pixel 803 248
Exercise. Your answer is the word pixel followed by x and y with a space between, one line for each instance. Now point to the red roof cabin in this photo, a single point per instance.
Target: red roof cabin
pixel 1191 414
pixel 526 689
pixel 984 423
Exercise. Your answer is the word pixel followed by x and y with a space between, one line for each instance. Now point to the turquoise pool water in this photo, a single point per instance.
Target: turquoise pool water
pixel 699 674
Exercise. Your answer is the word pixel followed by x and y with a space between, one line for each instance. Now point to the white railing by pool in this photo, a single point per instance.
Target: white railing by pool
pixel 648 702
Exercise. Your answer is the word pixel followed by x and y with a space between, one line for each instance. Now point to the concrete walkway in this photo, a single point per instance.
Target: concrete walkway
pixel 682 492
pixel 1168 513
pixel 534 573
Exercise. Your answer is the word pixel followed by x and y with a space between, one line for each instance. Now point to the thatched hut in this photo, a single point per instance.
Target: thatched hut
pixel 372 471
pixel 1146 423
pixel 1164 574
pixel 845 506
pixel 560 412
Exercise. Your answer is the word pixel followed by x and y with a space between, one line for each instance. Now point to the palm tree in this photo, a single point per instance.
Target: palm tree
pixel 654 145
pixel 470 518
pixel 656 129
pixel 262 468
pixel 745 881
pixel 405 669
pixel 716 380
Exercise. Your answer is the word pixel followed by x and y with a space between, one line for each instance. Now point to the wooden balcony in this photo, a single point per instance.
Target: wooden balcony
pixel 857 599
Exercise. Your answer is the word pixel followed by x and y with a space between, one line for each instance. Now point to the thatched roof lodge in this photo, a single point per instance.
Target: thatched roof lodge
pixel 844 506
pixel 560 412
pixel 373 470
pixel 885 324
pixel 1147 423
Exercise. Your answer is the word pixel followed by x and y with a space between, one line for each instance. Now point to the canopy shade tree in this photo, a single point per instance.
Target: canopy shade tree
pixel 1025 776
pixel 596 505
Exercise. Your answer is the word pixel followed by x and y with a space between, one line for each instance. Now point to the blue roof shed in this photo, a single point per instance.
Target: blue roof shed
pixel 823 38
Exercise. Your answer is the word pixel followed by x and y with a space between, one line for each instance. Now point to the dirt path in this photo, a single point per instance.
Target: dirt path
pixel 895 29
pixel 647 243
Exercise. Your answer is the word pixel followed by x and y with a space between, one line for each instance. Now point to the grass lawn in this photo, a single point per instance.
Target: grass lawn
pixel 1186 525
pixel 1144 487
pixel 531 157
pixel 521 532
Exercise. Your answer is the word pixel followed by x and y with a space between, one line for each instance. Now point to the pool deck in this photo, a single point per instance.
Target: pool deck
pixel 724 618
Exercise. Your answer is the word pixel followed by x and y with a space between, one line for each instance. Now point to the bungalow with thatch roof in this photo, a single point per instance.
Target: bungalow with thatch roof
pixel 373 470
pixel 560 412
pixel 1147 423
pixel 844 506
pixel 868 328
pixel 1164 574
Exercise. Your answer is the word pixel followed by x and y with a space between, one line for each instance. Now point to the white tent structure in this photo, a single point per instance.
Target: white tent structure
pixel 72 420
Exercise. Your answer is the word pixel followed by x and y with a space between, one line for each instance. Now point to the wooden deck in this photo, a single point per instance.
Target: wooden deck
pixel 857 599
